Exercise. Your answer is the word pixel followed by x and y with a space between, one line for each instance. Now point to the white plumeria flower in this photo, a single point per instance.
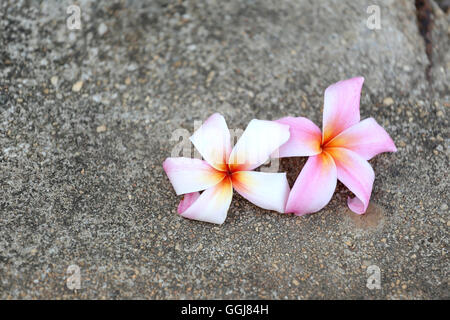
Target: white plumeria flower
pixel 224 169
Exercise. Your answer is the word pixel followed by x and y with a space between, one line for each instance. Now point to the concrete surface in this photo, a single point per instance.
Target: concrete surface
pixel 87 117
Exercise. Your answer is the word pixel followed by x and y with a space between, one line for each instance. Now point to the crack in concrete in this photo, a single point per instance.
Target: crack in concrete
pixel 424 13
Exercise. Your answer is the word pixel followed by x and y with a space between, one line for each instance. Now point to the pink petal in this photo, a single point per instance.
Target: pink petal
pixel 212 140
pixel 305 138
pixel 314 186
pixel 187 201
pixel 266 190
pixel 367 138
pixel 212 204
pixel 356 174
pixel 190 175
pixel 259 140
pixel 341 107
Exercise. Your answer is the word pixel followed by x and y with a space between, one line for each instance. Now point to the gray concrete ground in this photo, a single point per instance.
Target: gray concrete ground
pixel 87 116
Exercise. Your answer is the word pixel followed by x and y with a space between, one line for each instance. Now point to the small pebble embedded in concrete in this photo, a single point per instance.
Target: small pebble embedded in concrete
pixel 101 128
pixel 77 86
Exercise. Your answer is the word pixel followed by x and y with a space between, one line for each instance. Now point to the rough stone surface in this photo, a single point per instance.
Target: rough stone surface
pixel 72 193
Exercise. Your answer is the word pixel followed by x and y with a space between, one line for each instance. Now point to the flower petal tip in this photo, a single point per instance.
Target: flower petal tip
pixel 394 148
pixel 356 205
pixel 355 83
pixel 360 79
pixel 214 116
pixel 391 145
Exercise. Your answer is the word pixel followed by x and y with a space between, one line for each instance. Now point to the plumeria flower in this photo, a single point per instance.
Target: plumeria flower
pixel 340 151
pixel 225 168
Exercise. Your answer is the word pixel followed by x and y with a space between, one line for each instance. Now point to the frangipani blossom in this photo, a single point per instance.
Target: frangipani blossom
pixel 340 151
pixel 224 169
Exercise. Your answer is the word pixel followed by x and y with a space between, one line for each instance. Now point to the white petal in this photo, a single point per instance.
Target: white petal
pixel 266 190
pixel 212 205
pixel 190 175
pixel 212 140
pixel 259 140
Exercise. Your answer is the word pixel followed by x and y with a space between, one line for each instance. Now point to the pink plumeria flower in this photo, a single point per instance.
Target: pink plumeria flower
pixel 224 169
pixel 339 152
